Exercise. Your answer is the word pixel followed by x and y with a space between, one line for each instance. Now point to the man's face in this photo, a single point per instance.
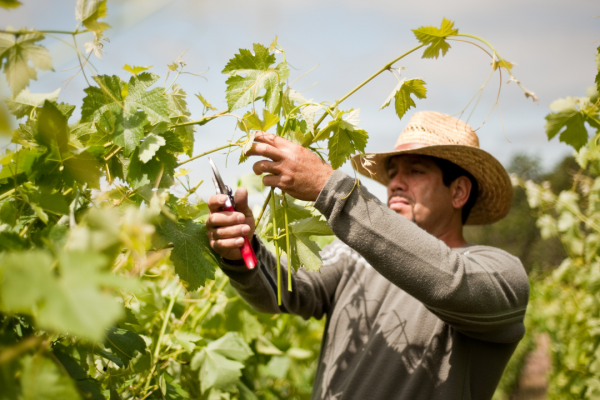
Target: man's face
pixel 417 192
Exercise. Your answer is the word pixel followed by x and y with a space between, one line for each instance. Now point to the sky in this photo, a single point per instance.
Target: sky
pixel 552 43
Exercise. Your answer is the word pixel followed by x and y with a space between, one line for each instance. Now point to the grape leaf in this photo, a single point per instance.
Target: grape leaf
pixel 89 12
pixel 218 371
pixel 217 368
pixel 251 121
pixel 16 54
pixel 179 113
pixel 45 199
pixel 128 132
pixel 42 380
pixel 435 38
pixel 149 147
pixel 401 94
pixel 231 345
pixel 8 4
pixel 88 386
pixel 192 256
pixel 70 303
pixel 124 344
pixel 205 102
pixel 135 70
pixel 567 116
pixel 108 97
pixel 249 74
pixel 344 137
pixel 22 104
pixel 305 252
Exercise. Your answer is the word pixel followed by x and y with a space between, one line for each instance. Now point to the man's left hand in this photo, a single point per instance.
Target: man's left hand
pixel 292 168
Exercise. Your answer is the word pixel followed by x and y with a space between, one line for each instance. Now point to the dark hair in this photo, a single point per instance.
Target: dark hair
pixel 450 172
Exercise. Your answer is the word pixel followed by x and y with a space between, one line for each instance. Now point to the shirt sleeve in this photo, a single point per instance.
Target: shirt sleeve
pixel 481 291
pixel 312 292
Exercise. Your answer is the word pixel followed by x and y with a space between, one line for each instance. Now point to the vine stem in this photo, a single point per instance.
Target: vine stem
pixel 161 335
pixel 369 79
pixel 287 244
pixel 206 153
pixel 192 190
pixel 202 314
pixel 338 102
pixel 25 32
pixel 6 194
pixel 200 121
pixel 277 255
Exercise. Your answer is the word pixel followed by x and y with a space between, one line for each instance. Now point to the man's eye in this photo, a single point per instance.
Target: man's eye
pixel 391 173
pixel 416 171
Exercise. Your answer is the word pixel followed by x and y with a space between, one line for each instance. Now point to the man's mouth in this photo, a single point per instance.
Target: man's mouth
pixel 397 203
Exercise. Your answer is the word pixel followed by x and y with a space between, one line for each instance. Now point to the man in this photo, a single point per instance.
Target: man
pixel 413 311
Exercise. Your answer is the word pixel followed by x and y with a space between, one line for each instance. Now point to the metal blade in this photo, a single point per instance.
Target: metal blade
pixel 218 178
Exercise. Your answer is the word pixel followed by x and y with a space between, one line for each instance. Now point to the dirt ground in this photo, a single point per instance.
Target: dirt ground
pixel 533 382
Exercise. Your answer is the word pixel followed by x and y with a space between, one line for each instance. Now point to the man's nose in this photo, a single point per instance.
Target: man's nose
pixel 398 182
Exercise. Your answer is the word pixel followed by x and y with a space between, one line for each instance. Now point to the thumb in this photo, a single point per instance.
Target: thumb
pixel 241 202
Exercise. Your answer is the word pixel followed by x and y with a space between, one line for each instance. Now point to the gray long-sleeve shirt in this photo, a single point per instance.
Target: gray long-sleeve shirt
pixel 407 316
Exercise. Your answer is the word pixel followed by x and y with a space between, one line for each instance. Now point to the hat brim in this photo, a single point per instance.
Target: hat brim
pixel 494 197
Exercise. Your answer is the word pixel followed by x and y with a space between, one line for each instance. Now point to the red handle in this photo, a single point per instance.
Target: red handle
pixel 246 250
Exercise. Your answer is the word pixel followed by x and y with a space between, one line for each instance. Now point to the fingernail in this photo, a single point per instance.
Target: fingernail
pixel 239 242
pixel 241 218
pixel 246 230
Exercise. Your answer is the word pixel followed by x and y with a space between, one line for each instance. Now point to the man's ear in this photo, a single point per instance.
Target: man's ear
pixel 461 189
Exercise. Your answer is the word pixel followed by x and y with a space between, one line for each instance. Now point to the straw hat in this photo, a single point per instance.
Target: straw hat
pixel 438 135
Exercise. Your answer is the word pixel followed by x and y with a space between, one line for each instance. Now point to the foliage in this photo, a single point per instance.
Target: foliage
pixel 569 308
pixel 108 286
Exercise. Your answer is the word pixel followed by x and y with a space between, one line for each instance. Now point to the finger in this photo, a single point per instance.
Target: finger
pixel 241 202
pixel 266 167
pixel 265 150
pixel 225 218
pixel 230 232
pixel 225 245
pixel 216 202
pixel 272 180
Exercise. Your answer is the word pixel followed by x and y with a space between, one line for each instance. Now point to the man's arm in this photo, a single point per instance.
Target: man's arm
pixel 312 292
pixel 482 293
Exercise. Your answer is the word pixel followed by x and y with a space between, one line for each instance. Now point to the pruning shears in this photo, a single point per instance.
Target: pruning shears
pixel 246 250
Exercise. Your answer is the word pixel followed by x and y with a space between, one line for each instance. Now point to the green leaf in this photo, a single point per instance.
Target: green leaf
pixel 217 371
pixel 53 131
pixel 435 38
pixel 22 104
pixel 205 102
pixel 128 132
pixel 251 121
pixel 8 4
pixel 569 118
pixel 44 198
pixel 401 94
pixel 192 256
pixel 108 97
pixel 88 386
pixel 231 345
pixel 243 90
pixel 73 302
pixel 149 147
pixel 124 344
pixel 598 67
pixel 344 138
pixel 89 12
pixel 135 70
pixel 187 340
pixel 305 252
pixel 16 54
pixel 42 380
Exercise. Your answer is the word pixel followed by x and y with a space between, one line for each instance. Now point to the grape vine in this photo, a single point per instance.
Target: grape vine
pixel 114 292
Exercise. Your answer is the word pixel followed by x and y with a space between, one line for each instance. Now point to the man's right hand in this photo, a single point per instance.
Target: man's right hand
pixel 226 229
